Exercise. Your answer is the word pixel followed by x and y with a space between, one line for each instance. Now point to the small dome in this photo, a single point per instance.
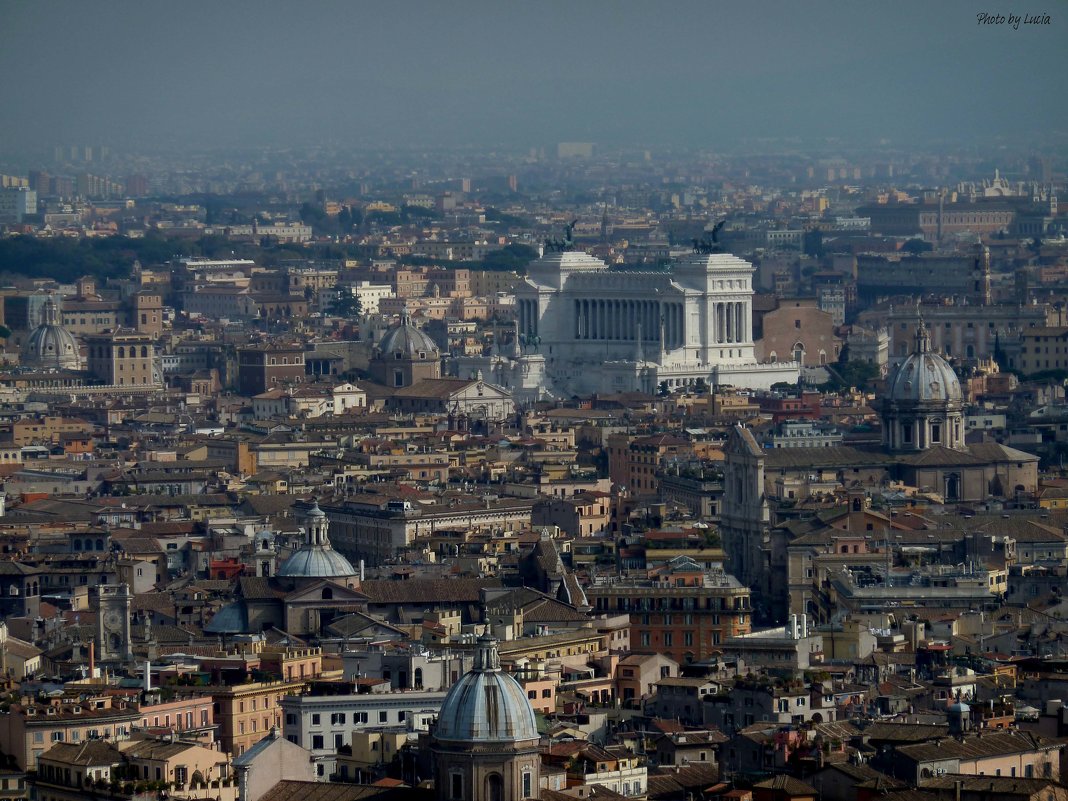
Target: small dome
pixel 316 561
pixel 960 706
pixel 923 376
pixel 51 346
pixel 487 705
pixel 407 340
pixel 231 619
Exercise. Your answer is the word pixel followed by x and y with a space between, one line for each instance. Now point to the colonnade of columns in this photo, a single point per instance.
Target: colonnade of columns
pixel 527 310
pixel 619 320
pixel 730 323
pixel 610 319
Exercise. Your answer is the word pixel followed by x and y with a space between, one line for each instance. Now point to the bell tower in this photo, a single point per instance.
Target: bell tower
pixel 114 643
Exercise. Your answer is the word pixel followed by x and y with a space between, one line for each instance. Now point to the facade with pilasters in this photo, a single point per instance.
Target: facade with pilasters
pixel 605 330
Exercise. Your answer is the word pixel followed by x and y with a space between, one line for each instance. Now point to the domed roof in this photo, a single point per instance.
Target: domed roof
pixel 406 339
pixel 231 619
pixel 50 345
pixel 487 705
pixel 923 377
pixel 316 561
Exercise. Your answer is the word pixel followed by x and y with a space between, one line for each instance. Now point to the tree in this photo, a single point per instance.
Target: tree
pixel 663 389
pixel 855 373
pixel 345 303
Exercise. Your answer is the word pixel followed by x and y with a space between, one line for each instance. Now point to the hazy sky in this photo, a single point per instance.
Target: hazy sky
pixel 524 73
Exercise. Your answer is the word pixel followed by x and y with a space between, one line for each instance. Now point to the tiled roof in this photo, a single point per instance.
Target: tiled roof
pixel 454 590
pixel 991 744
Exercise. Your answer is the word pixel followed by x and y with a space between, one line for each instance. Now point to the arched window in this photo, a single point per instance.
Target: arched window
pixel 799 352
pixel 417 677
pixel 122 352
pixel 494 787
pixel 328 593
pixel 144 351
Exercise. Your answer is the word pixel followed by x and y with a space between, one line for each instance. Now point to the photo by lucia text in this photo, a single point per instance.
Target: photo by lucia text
pixel 1014 21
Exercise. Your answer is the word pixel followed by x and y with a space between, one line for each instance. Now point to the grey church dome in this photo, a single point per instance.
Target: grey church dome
pixel 51 346
pixel 407 340
pixel 316 562
pixel 487 705
pixel 923 377
pixel 317 559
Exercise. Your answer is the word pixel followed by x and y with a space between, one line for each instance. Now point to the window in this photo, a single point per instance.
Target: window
pixel 457 786
pixel 383 717
pixel 315 719
pixel 317 741
pixel 528 786
pixel 337 719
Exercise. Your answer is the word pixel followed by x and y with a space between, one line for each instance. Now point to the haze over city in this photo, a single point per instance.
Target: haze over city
pixel 158 75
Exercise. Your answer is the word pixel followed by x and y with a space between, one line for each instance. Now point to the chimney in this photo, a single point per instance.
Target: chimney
pixel 148 675
pixel 92 659
pixel 361 571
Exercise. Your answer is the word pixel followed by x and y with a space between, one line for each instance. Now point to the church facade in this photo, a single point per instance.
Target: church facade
pixel 593 329
pixel 923 447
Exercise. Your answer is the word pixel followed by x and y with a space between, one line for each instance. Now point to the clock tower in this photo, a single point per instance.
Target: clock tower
pixel 113 624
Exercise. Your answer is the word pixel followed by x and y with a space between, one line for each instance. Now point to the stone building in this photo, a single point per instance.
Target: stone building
pixel 485 744
pixel 404 356
pixel 605 330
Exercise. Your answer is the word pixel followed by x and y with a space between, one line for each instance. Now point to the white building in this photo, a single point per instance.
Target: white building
pixel 596 329
pixel 324 723
pixel 367 293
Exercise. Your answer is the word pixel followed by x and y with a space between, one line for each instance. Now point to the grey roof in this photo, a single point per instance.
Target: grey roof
pixel 316 561
pixel 487 705
pixel 923 376
pixel 231 619
pixel 407 340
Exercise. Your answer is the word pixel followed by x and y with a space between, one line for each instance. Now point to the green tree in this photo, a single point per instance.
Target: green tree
pixel 345 303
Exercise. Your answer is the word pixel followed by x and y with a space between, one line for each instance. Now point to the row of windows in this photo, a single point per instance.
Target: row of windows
pixel 668 638
pixel 341 718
